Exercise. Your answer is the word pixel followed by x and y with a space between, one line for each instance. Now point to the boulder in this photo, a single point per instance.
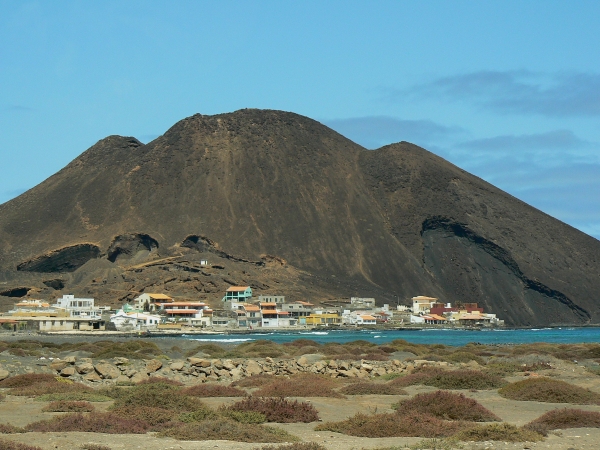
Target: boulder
pixel 253 368
pixel 58 365
pixel 68 371
pixel 4 374
pixel 84 368
pixel 138 377
pixel 302 361
pixel 177 365
pixel 108 371
pixel 153 365
pixel 118 361
pixel 130 372
pixel 70 359
pixel 199 362
pixel 92 376
pixel 123 379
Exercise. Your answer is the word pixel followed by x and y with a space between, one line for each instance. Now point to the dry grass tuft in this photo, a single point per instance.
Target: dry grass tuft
pixel 157 395
pixel 12 445
pixel 560 419
pixel 300 385
pixel 372 388
pixel 254 381
pixel 550 391
pixel 450 379
pixel 7 428
pixel 295 446
pixel 109 423
pixel 229 430
pixel 395 425
pixel 498 432
pixel 448 406
pixel 213 390
pixel 161 380
pixel 152 416
pixel 28 379
pixel 277 409
pixel 66 406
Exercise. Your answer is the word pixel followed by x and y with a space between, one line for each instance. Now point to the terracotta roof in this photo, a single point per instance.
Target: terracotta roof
pixel 237 288
pixel 160 296
pixel 181 311
pixel 367 317
pixel 283 313
pixel 268 304
pixel 436 317
pixel 251 307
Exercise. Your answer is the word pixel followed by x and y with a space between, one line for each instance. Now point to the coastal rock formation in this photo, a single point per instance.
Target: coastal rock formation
pixel 286 205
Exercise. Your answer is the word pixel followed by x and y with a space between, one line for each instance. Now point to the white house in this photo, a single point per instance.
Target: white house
pixel 422 304
pixel 134 320
pixel 83 308
pixel 150 302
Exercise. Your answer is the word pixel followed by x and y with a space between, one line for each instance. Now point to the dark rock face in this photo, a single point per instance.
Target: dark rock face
pixel 15 292
pixel 283 203
pixel 131 245
pixel 65 259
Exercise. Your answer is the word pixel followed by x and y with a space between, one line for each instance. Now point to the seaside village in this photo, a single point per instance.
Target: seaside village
pixel 240 311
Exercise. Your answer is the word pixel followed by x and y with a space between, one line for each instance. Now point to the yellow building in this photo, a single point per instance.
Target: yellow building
pixel 323 319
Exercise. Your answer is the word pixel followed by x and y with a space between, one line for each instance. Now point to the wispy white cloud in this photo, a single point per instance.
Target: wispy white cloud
pixel 376 131
pixel 521 92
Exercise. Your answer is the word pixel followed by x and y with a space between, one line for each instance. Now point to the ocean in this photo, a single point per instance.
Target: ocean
pixel 431 336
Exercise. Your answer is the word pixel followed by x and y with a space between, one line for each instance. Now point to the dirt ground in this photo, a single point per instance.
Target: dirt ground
pixel 20 411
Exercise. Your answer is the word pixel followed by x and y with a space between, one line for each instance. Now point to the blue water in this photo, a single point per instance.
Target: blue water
pixel 446 337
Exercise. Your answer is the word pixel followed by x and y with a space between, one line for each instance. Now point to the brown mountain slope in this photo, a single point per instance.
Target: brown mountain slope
pixel 337 219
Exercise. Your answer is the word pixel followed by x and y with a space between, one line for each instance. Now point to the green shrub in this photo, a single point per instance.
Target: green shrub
pixel 198 416
pixel 228 430
pixel 498 432
pixel 549 390
pixel 446 405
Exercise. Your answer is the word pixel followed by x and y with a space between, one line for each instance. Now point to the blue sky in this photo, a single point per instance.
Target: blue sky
pixel 508 90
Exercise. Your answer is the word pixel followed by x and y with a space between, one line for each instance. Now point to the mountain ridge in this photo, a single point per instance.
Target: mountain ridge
pixel 393 222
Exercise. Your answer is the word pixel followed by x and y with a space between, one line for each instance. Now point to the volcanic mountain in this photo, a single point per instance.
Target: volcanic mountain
pixel 288 206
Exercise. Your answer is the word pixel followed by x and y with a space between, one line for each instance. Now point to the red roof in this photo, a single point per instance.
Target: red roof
pixel 181 311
